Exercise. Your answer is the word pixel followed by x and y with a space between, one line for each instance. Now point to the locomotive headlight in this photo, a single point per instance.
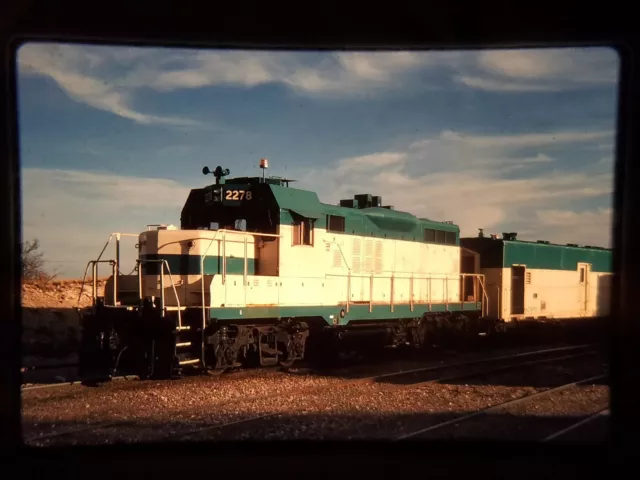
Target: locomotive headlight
pixel 217 195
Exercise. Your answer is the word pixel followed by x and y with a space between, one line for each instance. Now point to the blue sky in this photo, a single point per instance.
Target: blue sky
pixel 113 138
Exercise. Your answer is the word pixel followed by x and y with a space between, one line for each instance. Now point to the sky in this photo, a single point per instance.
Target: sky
pixel 113 138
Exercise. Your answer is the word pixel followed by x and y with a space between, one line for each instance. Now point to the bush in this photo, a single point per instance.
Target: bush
pixel 33 262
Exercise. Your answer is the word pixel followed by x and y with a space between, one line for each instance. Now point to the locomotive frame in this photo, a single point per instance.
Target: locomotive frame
pixel 226 289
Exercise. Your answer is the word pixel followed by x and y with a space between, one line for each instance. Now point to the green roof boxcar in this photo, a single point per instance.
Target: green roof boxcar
pixel 503 253
pixel 540 279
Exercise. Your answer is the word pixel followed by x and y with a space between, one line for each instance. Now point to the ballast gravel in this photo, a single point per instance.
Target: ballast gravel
pixel 297 405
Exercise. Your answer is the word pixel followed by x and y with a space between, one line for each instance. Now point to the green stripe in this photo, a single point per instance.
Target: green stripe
pixel 555 257
pixel 356 312
pixel 190 264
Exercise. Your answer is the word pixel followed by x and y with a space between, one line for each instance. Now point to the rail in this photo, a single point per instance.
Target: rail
pixel 162 263
pixel 116 267
pixel 479 288
pixel 221 236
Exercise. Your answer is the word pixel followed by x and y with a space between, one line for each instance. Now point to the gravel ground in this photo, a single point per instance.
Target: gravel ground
pixel 532 420
pixel 382 411
pixel 157 409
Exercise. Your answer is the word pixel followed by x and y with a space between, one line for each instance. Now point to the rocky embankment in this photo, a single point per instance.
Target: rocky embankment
pixel 50 322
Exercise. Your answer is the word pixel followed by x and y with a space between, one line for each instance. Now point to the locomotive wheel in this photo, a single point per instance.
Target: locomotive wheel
pixel 216 371
pixel 287 363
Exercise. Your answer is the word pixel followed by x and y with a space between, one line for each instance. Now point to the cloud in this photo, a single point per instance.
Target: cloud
pixel 74 212
pixel 335 73
pixel 108 78
pixel 588 227
pixel 352 72
pixel 541 70
pixel 452 150
pixel 375 160
pixel 516 141
pixel 501 85
pixel 459 177
pixel 74 70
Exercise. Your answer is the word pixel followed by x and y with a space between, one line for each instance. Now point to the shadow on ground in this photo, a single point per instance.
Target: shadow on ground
pixel 50 332
pixel 358 426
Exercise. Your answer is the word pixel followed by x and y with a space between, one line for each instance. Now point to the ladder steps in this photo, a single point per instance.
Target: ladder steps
pixel 184 327
pixel 183 344
pixel 189 362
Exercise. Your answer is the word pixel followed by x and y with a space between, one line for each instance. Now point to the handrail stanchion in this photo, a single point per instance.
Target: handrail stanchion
pixel 411 292
pixel 118 249
pixel 371 293
pixel 162 288
pixel 95 282
pixel 139 265
pixel 392 292
pixel 204 307
pixel 348 290
pixel 224 258
pixel 244 271
pixel 446 293
pixel 175 292
pixel 114 269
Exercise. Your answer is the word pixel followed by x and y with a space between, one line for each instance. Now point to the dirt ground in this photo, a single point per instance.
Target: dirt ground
pixel 50 322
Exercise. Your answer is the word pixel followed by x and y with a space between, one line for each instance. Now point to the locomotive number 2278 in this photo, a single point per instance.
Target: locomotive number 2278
pixel 237 195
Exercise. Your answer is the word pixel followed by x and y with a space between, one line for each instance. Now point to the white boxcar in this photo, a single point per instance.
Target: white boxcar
pixel 543 280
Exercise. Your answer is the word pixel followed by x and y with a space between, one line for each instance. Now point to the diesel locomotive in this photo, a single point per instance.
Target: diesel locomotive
pixel 260 273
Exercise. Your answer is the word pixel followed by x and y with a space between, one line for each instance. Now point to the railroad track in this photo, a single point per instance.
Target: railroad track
pixel 27 387
pixel 414 384
pixel 403 379
pixel 577 425
pixel 32 368
pixel 494 408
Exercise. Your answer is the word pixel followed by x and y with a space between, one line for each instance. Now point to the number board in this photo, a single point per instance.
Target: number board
pixel 213 195
pixel 236 194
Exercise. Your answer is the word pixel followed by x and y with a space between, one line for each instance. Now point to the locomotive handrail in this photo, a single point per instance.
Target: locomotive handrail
pixel 417 276
pixel 99 260
pixel 445 277
pixel 162 263
pixel 117 235
pixel 94 273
